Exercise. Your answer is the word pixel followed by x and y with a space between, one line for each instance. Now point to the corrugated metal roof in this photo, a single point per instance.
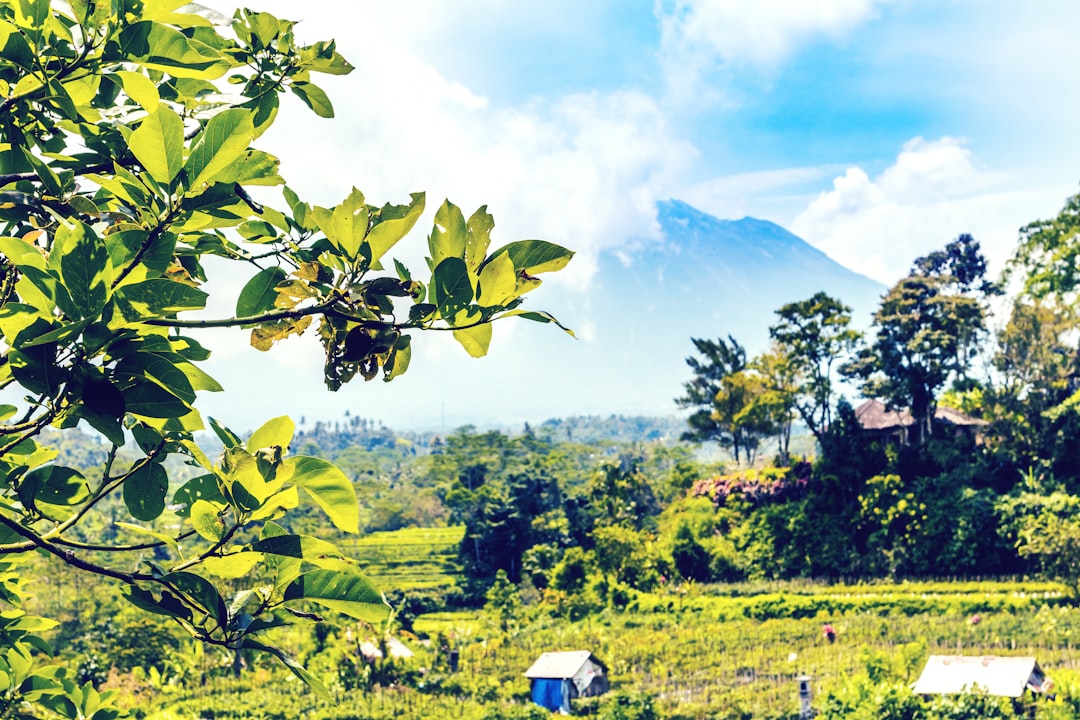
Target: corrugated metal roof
pixel 562 665
pixel 1003 676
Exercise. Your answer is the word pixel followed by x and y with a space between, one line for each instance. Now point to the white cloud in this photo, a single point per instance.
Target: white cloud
pixel 775 194
pixel 584 170
pixel 696 35
pixel 934 191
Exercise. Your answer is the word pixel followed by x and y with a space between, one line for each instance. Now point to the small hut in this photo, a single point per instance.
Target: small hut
pixel 1001 676
pixel 556 677
pixel 880 423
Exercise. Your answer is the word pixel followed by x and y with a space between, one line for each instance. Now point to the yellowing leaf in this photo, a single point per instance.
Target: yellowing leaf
pixel 140 89
pixel 277 432
pixel 475 340
pixel 498 281
pixel 232 566
pixel 204 519
pixel 83 89
pixel 329 488
pixel 158 144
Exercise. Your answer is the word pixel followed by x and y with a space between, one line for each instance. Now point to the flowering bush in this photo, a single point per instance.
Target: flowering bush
pixel 756 486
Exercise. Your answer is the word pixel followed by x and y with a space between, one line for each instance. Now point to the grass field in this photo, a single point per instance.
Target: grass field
pixel 708 652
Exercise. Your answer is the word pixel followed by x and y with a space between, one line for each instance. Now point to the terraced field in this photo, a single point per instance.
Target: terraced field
pixel 413 558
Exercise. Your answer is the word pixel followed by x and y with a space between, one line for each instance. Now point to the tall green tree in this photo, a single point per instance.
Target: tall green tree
pixel 814 337
pixel 750 408
pixel 776 404
pixel 1047 258
pixel 129 144
pixel 928 329
pixel 712 419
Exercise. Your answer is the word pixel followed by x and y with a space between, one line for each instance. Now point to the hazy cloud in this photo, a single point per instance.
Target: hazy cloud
pixel 698 35
pixel 934 191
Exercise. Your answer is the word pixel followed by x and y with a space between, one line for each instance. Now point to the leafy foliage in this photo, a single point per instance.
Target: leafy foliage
pixel 928 328
pixel 124 167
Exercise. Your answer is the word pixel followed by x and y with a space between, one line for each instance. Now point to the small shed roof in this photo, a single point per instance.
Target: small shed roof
pixel 561 665
pixel 1003 676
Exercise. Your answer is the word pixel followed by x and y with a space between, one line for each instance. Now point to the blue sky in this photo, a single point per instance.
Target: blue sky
pixel 524 105
pixel 875 129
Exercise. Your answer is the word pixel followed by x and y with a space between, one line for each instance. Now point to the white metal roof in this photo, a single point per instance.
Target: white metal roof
pixel 562 665
pixel 1003 676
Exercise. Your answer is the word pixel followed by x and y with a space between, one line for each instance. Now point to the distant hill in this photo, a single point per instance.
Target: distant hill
pixel 706 277
pixel 613 428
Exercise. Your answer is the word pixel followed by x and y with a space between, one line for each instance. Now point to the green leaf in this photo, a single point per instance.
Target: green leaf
pixel 147 398
pixel 348 224
pixel 535 256
pixel 475 339
pixel 399 359
pixel 228 438
pixel 538 316
pixel 156 253
pixel 452 287
pixel 296 546
pixel 144 492
pixel 314 97
pixel 347 592
pixel 22 253
pixel 159 47
pixel 34 367
pixel 202 592
pixel 168 540
pixel 169 605
pixel 249 484
pixel 158 369
pixel 224 140
pixel 273 433
pixel 158 142
pixel 294 667
pixel 395 222
pixel 54 490
pixel 258 295
pixel 60 334
pixel 84 265
pixel 203 487
pixel 157 297
pixel 233 565
pixel 329 488
pixel 448 235
pixel 286 567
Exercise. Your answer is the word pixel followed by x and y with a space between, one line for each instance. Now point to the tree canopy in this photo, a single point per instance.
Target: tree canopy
pixel 129 154
pixel 928 327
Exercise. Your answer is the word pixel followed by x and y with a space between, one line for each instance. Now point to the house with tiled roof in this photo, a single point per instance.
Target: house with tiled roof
pixel 878 422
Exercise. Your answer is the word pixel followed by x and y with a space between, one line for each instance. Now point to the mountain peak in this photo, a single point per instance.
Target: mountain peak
pixel 685 226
